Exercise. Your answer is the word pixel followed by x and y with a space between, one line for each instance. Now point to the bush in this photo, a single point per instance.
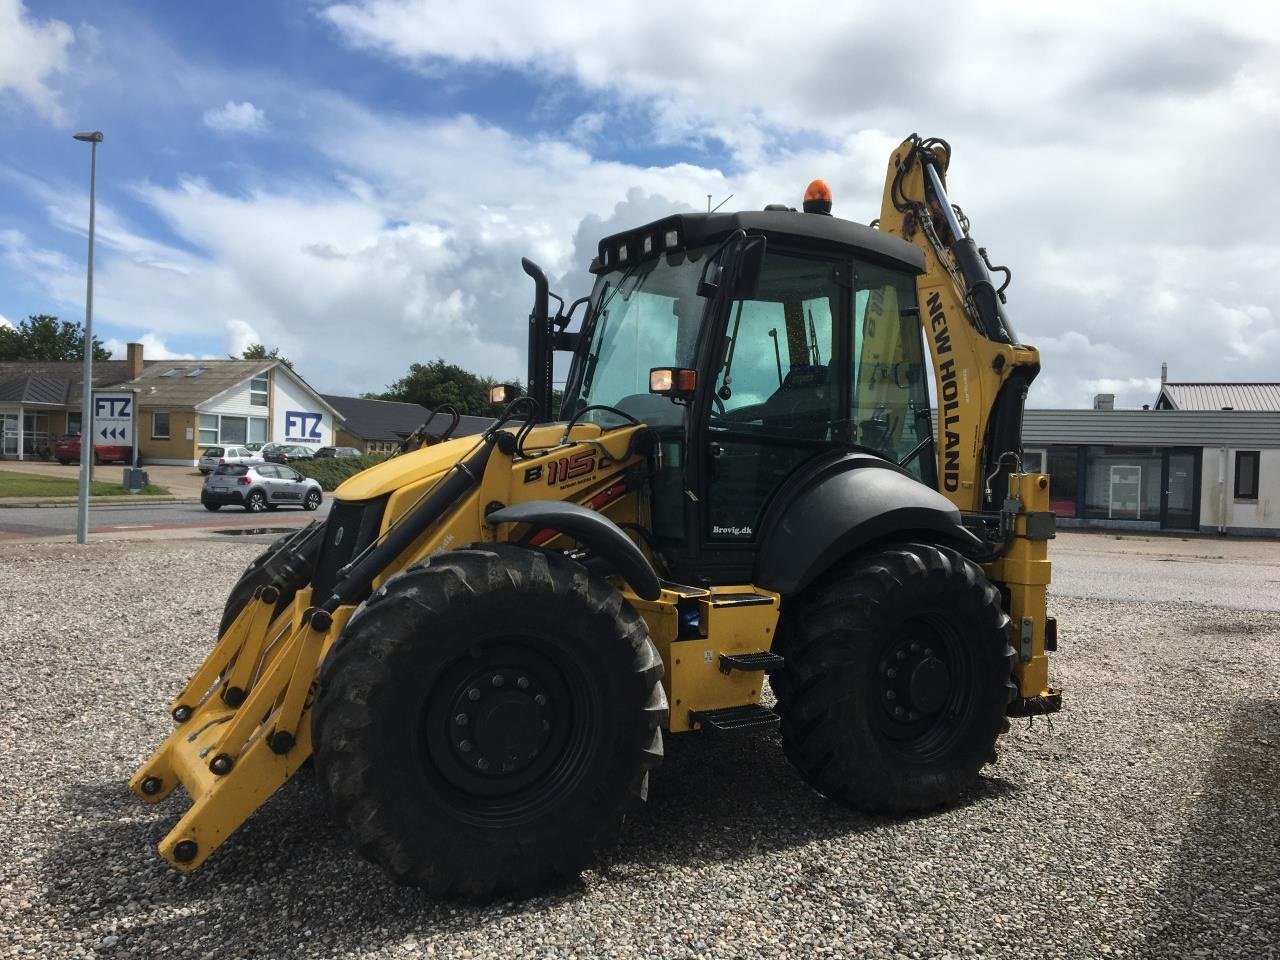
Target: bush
pixel 331 471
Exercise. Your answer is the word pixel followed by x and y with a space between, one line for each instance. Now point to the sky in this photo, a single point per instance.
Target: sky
pixel 355 183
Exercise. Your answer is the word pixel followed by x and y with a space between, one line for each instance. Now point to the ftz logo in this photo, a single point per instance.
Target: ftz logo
pixel 566 468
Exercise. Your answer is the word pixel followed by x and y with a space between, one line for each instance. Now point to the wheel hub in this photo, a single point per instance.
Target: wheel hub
pixel 915 682
pixel 500 722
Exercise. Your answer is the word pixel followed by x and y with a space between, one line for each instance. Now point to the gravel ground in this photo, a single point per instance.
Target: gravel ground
pixel 1142 822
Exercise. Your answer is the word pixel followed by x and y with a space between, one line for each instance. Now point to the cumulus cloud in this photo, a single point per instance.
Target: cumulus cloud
pixel 233 117
pixel 31 53
pixel 4 321
pixel 153 348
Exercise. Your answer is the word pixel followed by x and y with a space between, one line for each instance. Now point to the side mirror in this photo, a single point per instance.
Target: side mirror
pixel 749 264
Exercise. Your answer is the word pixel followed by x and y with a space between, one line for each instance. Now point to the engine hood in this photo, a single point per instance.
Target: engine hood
pixel 401 471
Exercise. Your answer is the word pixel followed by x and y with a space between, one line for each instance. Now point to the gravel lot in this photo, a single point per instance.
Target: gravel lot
pixel 1143 822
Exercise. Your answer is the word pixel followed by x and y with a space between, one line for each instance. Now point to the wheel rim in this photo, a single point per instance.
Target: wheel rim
pixel 256 503
pixel 509 731
pixel 925 687
pixel 313 500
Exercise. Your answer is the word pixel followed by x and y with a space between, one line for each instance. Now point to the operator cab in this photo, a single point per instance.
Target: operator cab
pixel 797 340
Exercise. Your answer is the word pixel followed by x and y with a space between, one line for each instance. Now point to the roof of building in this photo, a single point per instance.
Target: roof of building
pixel 394 420
pixel 1254 429
pixel 1219 396
pixel 54 383
pixel 187 383
pixel 378 419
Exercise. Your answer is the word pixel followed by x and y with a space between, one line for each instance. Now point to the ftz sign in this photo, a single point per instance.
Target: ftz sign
pixel 301 425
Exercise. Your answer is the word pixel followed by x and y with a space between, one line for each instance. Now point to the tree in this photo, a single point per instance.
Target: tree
pixel 45 338
pixel 437 382
pixel 256 351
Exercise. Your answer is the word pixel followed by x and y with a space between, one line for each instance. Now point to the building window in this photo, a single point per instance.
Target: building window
pixel 1247 474
pixel 1122 483
pixel 1033 461
pixel 234 430
pixel 257 429
pixel 1063 485
pixel 159 426
pixel 208 429
pixel 258 391
pixel 73 422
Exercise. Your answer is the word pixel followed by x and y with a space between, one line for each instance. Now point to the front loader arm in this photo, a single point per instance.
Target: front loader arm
pixel 981 372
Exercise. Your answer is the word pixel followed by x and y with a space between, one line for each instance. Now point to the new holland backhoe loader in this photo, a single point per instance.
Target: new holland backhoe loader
pixel 485 643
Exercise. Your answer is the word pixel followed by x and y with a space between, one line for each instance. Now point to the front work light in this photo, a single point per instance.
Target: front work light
pixel 677 382
pixel 503 393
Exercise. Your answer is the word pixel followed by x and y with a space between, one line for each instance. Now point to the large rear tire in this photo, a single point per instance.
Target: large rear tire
pixel 486 720
pixel 897 677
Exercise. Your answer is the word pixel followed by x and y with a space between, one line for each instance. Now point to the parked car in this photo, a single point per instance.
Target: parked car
pixel 67 450
pixel 326 452
pixel 258 487
pixel 283 453
pixel 255 447
pixel 213 457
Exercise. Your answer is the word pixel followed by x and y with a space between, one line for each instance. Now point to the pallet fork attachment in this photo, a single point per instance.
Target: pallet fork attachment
pixel 243 723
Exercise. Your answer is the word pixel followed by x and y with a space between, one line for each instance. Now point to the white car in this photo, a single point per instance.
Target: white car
pixel 214 457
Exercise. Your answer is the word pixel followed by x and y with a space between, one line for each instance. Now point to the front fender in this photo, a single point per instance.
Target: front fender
pixel 594 531
pixel 842 505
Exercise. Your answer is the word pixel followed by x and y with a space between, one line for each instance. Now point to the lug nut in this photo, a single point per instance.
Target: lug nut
pixel 928 651
pixel 915 648
pixel 460 719
pixel 901 655
pixel 898 711
pixel 465 746
pixel 482 764
pixel 523 683
pixel 540 700
pixel 473 694
pixel 891 673
pixel 890 695
pixel 498 680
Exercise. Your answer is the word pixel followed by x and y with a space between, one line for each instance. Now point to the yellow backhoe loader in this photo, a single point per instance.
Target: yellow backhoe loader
pixel 485 643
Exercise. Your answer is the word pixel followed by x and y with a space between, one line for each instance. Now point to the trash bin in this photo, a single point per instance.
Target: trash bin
pixel 135 479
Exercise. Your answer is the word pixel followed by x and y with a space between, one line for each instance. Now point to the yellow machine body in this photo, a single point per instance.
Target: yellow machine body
pixel 230 753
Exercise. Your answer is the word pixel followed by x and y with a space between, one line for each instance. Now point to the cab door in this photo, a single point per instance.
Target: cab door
pixel 826 356
pixel 778 397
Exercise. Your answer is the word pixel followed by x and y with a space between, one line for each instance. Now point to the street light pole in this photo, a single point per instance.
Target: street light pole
pixel 86 403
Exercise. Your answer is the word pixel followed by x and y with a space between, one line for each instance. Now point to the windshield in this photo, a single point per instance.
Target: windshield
pixel 642 317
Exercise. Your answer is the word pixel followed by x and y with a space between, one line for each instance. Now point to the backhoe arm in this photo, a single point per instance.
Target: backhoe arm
pixel 981 372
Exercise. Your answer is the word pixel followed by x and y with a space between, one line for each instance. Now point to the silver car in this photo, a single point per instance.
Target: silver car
pixel 211 458
pixel 258 487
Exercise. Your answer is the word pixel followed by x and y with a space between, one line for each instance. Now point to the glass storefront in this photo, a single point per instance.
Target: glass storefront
pixel 1148 485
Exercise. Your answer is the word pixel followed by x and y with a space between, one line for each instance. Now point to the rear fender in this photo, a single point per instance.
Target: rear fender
pixel 842 505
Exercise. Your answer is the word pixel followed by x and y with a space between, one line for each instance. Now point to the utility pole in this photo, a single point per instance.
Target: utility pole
pixel 86 404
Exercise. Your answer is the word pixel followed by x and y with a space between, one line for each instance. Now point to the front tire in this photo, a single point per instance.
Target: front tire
pixel 897 677
pixel 486 719
pixel 312 501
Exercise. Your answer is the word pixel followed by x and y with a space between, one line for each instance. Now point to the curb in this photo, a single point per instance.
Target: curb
pixel 15 502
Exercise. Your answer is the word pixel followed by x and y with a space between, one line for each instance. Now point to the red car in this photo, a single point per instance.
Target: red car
pixel 67 450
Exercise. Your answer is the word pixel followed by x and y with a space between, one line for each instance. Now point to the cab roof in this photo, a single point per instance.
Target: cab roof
pixel 804 229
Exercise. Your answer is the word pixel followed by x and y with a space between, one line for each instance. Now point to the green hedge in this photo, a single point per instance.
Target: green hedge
pixel 331 471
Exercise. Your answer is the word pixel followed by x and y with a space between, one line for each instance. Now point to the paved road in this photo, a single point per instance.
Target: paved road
pixel 1237 575
pixel 20 523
